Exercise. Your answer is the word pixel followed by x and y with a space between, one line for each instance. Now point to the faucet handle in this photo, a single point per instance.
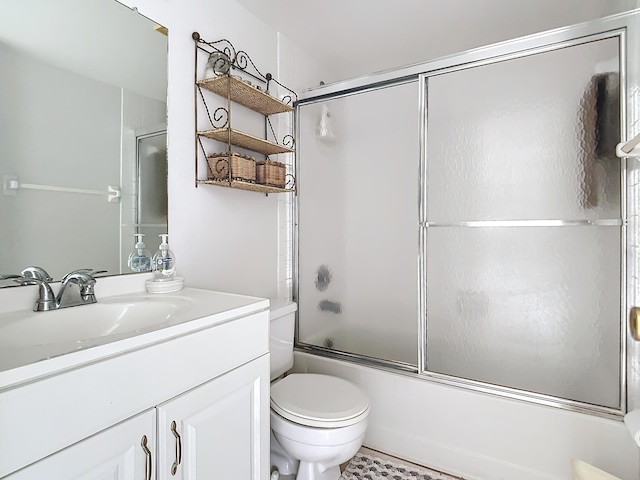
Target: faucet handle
pixel 14 277
pixel 36 272
pixel 9 276
pixel 87 271
pixel 80 278
pixel 74 272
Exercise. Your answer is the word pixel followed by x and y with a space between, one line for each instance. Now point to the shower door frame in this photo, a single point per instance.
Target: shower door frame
pixel 476 385
pixel 620 26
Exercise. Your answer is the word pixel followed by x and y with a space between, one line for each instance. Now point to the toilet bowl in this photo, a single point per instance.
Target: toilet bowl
pixel 317 421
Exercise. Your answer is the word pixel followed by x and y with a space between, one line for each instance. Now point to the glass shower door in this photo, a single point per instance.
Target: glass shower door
pixel 358 224
pixel 524 225
pixel 151 188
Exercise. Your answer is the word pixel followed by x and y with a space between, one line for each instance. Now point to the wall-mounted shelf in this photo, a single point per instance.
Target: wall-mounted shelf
pixel 244 140
pixel 252 187
pixel 245 94
pixel 232 75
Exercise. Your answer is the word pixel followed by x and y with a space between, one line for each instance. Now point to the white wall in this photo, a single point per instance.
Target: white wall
pixel 223 239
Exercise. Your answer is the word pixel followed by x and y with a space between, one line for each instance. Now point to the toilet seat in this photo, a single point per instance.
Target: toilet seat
pixel 319 400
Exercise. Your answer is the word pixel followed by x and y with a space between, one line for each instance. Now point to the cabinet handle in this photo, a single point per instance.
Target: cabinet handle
pixel 174 430
pixel 147 452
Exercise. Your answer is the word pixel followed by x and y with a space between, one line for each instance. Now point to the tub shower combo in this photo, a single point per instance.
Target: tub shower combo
pixel 468 220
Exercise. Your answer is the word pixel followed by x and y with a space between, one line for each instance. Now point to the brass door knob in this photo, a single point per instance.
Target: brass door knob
pixel 634 323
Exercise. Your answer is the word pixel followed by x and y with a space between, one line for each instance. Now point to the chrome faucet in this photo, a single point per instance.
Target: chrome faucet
pixel 83 295
pixel 46 298
pixel 68 296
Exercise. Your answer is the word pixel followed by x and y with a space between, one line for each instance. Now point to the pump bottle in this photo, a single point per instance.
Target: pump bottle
pixel 164 263
pixel 140 257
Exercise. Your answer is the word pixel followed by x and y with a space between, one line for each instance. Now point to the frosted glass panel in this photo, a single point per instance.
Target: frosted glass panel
pixel 528 138
pixel 152 184
pixel 358 223
pixel 535 309
pixel 151 189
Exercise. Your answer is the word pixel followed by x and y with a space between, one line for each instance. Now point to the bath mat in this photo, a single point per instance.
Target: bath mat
pixel 371 467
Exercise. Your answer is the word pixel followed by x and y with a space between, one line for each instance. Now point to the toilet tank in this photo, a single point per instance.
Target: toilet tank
pixel 283 319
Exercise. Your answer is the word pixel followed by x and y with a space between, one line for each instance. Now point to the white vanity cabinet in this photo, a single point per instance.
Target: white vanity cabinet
pixel 122 452
pixel 210 377
pixel 213 431
pixel 217 430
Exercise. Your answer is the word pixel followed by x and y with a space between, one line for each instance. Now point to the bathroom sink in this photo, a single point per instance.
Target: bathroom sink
pixel 88 323
pixel 27 337
pixel 36 344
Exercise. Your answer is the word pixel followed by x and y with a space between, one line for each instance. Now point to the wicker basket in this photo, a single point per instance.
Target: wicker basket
pixel 243 167
pixel 271 173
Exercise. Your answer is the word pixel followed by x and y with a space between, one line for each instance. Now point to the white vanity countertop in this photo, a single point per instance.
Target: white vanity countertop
pixel 196 309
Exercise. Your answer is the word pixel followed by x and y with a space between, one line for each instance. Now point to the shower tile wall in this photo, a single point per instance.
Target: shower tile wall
pixel 299 78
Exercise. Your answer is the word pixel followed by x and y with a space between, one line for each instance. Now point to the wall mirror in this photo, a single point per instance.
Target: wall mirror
pixel 82 135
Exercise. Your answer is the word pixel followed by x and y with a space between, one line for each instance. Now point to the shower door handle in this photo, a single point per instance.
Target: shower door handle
pixel 634 323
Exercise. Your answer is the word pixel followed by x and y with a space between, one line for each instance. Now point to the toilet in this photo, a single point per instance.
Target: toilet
pixel 317 421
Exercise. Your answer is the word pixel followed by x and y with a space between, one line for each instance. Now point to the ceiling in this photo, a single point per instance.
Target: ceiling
pixel 350 38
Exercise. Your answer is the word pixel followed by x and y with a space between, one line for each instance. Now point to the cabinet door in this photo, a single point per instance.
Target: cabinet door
pixel 219 430
pixel 113 454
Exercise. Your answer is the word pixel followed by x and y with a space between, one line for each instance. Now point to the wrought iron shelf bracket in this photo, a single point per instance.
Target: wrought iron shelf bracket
pixel 241 61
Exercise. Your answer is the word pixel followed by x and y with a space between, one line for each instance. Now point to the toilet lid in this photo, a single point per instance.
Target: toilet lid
pixel 318 400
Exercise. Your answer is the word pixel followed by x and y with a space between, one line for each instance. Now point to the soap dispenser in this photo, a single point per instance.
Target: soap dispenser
pixel 164 263
pixel 140 257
